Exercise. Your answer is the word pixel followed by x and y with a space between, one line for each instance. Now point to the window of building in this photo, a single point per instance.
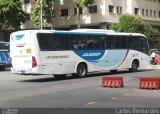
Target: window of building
pixel 26 1
pixel 147 12
pixel 143 12
pixel 136 11
pixel 154 13
pixel 159 14
pixel 92 9
pixel 151 13
pixel 75 10
pixel 64 12
pixel 111 9
pixel 119 10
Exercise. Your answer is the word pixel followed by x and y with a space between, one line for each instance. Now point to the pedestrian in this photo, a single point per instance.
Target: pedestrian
pixel 153 55
pixel 157 59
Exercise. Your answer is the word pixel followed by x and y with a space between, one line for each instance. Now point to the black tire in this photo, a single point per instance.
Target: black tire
pixel 2 68
pixel 81 70
pixel 134 67
pixel 62 76
pixel 113 71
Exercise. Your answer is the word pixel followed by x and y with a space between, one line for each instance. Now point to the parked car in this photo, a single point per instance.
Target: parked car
pixel 5 60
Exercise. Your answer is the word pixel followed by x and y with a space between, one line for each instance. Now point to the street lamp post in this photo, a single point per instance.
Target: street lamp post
pixel 41 14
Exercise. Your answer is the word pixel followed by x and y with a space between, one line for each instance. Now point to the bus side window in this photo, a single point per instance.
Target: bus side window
pixel 97 43
pixel 111 42
pixel 104 42
pixel 143 45
pixel 77 42
pixel 60 42
pixel 130 43
pixel 44 43
pixel 107 42
pixel 121 42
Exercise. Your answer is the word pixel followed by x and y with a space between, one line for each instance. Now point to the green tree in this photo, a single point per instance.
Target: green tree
pixel 152 34
pixel 129 23
pixel 82 2
pixel 11 14
pixel 47 13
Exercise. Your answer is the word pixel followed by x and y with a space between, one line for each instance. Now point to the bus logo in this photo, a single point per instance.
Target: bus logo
pixel 20 36
pixel 90 55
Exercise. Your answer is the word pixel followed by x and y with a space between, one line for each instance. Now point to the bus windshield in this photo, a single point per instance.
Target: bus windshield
pixel 4 46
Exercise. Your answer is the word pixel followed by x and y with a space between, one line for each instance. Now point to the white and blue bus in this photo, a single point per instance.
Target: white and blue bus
pixel 77 52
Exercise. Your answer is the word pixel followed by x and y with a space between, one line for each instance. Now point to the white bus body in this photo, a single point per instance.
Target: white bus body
pixel 28 58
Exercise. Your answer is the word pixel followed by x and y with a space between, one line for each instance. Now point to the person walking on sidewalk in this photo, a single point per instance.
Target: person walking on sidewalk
pixel 157 59
pixel 153 55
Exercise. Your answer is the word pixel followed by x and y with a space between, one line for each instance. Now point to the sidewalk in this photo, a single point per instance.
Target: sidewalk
pixel 153 67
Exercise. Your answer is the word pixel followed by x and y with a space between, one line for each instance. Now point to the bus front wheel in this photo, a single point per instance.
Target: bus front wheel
pixel 81 70
pixel 134 66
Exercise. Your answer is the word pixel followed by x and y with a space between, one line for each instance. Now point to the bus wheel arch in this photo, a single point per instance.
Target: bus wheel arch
pixel 134 65
pixel 81 70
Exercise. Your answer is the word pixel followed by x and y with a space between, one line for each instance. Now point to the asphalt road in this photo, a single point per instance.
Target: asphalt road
pixel 45 91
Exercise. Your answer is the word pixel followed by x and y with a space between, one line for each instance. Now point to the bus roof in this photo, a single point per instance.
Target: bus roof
pixel 80 31
pixel 92 30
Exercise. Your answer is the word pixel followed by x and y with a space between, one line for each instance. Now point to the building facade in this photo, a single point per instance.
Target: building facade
pixel 27 7
pixel 100 14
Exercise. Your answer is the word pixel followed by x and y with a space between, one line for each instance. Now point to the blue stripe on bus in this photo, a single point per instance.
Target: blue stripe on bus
pixel 20 36
pixel 90 55
pixel 105 58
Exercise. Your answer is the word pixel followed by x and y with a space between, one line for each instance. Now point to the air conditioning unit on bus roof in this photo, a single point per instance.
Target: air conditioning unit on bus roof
pixel 92 30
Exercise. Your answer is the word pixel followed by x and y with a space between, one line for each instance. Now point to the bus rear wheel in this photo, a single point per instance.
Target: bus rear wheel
pixel 134 67
pixel 81 70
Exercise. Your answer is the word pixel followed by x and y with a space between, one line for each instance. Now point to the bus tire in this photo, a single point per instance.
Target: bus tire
pixel 81 70
pixel 61 76
pixel 134 66
pixel 2 68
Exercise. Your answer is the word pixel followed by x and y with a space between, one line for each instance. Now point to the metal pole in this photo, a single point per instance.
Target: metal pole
pixel 41 14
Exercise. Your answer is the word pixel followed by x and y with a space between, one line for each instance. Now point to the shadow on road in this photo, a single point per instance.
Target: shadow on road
pixel 52 79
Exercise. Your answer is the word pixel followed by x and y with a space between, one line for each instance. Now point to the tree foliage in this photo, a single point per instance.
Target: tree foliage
pixel 129 23
pixel 82 2
pixel 47 7
pixel 11 14
pixel 152 34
